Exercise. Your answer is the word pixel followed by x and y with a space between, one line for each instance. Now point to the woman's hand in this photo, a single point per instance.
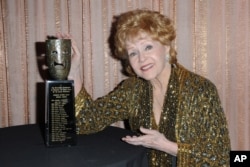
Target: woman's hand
pixel 153 139
pixel 76 59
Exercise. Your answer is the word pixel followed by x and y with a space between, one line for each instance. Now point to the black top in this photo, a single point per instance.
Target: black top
pixel 24 146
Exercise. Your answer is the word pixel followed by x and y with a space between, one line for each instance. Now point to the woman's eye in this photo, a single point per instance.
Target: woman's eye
pixel 148 47
pixel 132 54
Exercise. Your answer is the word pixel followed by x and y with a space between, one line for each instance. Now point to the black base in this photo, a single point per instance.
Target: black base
pixel 60 113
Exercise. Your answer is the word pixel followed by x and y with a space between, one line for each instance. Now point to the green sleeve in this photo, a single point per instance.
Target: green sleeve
pixel 93 116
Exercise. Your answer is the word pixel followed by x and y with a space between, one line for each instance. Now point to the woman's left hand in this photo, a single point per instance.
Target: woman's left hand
pixel 152 139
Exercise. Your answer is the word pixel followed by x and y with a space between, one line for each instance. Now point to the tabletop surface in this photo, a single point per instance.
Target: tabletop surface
pixel 25 146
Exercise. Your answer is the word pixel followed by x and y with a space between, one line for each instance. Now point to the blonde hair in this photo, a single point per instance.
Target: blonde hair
pixel 130 24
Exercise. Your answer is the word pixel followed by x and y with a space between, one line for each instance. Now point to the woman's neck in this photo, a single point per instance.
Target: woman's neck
pixel 161 81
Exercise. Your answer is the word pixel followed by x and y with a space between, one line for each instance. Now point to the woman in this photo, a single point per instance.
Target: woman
pixel 178 113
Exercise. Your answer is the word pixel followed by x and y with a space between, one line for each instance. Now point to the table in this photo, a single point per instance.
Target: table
pixel 24 146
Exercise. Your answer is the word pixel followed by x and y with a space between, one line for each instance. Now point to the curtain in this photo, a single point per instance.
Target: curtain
pixel 213 40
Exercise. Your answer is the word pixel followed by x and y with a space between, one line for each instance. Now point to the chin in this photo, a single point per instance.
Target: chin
pixel 149 75
pixel 148 78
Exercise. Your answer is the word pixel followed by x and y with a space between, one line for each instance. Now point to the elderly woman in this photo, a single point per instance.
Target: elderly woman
pixel 178 113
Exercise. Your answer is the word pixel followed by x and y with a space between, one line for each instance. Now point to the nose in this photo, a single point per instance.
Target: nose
pixel 142 57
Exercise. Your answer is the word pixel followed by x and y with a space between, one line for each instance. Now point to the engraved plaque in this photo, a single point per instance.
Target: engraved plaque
pixel 60 113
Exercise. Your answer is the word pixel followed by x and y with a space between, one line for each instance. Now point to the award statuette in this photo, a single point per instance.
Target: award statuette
pixel 59 95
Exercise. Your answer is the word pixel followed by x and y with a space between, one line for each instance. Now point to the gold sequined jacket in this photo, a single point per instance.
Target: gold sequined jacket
pixel 192 117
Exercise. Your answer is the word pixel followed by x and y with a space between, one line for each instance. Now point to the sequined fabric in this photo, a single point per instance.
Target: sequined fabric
pixel 192 116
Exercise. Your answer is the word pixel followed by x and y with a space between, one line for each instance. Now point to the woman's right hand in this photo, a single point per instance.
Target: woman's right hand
pixel 76 59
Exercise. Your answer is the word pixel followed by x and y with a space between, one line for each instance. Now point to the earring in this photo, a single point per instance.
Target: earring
pixel 167 57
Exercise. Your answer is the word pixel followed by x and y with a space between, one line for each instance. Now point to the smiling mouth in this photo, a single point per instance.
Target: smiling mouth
pixel 146 67
pixel 59 66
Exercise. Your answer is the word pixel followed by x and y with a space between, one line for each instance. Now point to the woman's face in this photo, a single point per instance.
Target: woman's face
pixel 147 57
